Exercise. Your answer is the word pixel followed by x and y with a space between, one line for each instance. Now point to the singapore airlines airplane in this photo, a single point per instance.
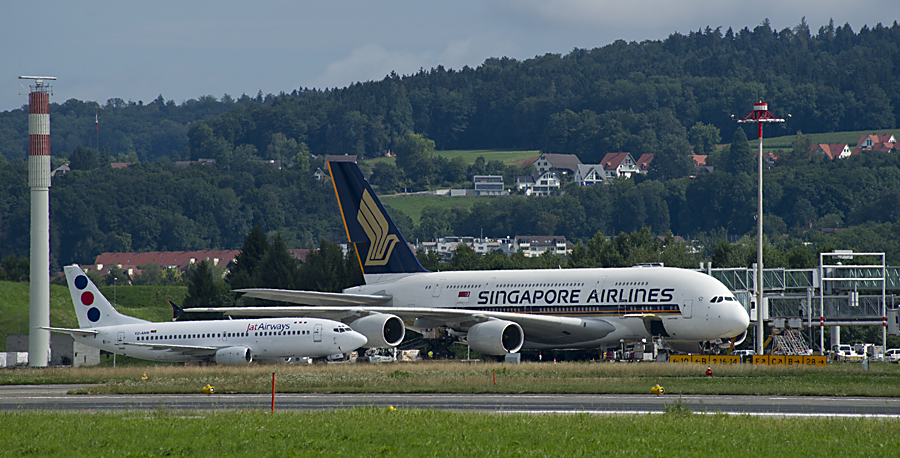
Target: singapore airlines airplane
pixel 500 312
pixel 222 341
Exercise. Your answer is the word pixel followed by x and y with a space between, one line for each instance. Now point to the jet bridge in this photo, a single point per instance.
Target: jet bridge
pixel 847 289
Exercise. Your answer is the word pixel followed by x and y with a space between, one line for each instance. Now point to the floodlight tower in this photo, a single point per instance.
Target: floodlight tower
pixel 760 115
pixel 39 182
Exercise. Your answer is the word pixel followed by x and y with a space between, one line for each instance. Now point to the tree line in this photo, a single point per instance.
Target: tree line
pixel 669 97
pixel 588 102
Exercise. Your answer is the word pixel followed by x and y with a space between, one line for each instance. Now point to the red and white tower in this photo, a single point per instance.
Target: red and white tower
pixel 39 182
pixel 760 115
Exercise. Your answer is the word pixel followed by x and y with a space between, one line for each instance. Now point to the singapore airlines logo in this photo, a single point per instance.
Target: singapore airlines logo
pixel 381 244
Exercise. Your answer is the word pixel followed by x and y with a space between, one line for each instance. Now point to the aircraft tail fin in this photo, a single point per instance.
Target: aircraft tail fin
pixel 91 307
pixel 380 246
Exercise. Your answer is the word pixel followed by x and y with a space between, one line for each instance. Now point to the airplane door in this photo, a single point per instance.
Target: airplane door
pixel 120 340
pixel 438 288
pixel 224 337
pixel 317 333
pixel 686 308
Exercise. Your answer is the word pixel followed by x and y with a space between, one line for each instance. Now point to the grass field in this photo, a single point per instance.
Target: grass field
pixel 851 137
pixel 448 377
pixel 385 432
pixel 145 302
pixel 507 157
pixel 413 205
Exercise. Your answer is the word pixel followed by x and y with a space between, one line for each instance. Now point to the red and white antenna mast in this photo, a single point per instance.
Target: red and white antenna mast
pixel 39 182
pixel 760 115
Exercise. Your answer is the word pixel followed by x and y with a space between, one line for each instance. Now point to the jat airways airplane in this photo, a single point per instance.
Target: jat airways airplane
pixel 220 341
pixel 499 312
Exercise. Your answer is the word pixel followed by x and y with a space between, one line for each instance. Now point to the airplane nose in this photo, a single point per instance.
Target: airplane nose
pixel 355 339
pixel 736 319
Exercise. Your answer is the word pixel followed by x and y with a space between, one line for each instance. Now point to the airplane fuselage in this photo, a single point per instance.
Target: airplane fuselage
pixel 267 339
pixel 685 302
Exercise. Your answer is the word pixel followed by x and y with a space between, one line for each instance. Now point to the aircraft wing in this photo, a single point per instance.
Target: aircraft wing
pixel 70 331
pixel 315 297
pixel 190 350
pixel 537 328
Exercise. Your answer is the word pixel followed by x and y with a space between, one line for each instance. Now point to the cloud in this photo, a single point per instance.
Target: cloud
pixel 372 61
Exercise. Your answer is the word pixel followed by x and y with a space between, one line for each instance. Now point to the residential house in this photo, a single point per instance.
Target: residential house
pixel 538 183
pixel 61 170
pixel 201 161
pixel 619 165
pixel 488 185
pixel 535 245
pixel 589 174
pixel 877 142
pixel 563 164
pixel 643 163
pixel 699 161
pixel 130 262
pixel 832 150
pixel 319 174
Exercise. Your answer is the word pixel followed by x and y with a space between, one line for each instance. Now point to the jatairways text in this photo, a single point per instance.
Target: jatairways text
pixel 268 327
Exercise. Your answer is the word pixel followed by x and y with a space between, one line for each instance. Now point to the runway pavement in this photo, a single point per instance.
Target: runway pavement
pixel 55 397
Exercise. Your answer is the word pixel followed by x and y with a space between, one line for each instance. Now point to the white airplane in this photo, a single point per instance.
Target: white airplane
pixel 500 312
pixel 226 342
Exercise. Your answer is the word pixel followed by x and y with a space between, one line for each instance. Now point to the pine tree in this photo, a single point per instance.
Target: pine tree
pixel 739 158
pixel 246 262
pixel 204 289
pixel 324 269
pixel 278 268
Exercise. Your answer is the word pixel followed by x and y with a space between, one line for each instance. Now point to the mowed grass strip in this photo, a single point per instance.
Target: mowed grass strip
pixel 381 432
pixel 438 377
pixel 413 205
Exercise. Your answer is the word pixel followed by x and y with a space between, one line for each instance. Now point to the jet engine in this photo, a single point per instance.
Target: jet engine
pixel 381 330
pixel 496 337
pixel 231 356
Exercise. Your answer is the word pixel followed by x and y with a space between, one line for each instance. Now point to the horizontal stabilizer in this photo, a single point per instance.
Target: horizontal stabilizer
pixel 70 331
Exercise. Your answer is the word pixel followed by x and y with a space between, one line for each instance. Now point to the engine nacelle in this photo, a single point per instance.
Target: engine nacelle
pixel 496 337
pixel 381 330
pixel 231 356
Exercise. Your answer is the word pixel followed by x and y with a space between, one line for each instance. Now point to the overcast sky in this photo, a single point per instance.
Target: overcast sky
pixel 186 49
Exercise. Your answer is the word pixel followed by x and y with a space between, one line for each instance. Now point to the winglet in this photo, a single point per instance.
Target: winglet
pixel 380 246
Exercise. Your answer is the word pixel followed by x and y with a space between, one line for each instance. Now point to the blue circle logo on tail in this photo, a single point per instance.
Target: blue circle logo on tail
pixel 81 282
pixel 94 314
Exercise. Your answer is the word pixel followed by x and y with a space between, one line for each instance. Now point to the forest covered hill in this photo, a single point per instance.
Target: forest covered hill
pixel 669 97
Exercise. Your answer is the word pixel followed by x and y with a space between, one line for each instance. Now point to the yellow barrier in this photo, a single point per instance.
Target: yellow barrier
pixel 770 360
pixel 819 361
pixel 725 359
